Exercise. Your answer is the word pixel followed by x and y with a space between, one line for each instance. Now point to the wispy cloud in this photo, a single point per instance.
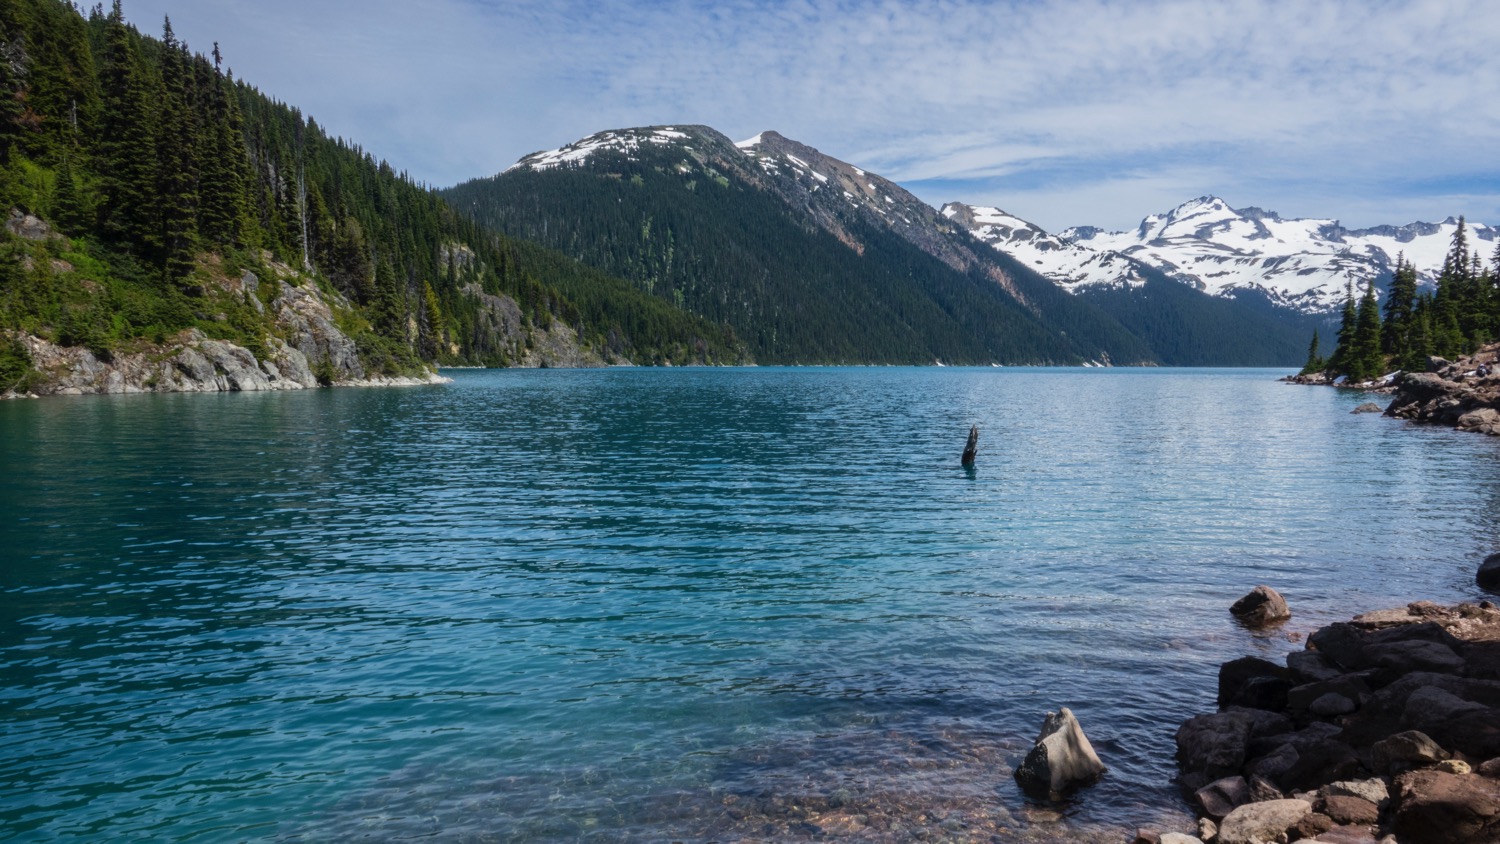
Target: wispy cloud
pixel 1082 111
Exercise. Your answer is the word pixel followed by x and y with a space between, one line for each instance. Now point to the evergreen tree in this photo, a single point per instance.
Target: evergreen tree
pixel 127 144
pixel 1366 362
pixel 1339 362
pixel 177 162
pixel 1396 332
pixel 68 209
pixel 432 324
pixel 222 177
pixel 1315 362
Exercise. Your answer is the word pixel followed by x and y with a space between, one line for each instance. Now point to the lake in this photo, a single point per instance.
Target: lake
pixel 695 605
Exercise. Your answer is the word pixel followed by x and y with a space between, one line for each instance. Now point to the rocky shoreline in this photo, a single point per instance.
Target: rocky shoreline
pixel 1462 394
pixel 1384 730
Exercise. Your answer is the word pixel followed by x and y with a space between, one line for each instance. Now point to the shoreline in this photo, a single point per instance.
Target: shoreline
pixel 1383 729
pixel 1462 394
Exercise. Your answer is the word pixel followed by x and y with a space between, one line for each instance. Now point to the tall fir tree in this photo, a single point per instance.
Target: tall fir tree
pixel 1400 303
pixel 1366 361
pixel 1339 361
pixel 1315 362
pixel 177 161
pixel 127 144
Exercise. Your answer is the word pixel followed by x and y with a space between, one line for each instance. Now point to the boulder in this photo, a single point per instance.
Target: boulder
pixel 1491 768
pixel 1374 790
pixel 1310 827
pixel 1179 838
pixel 1262 789
pixel 1341 643
pixel 1350 810
pixel 1488 576
pixel 1062 757
pixel 1402 751
pixel 1213 746
pixel 1262 823
pixel 1310 667
pixel 1323 762
pixel 1347 686
pixel 1332 705
pixel 1272 765
pixel 1223 796
pixel 1348 835
pixel 1368 407
pixel 1434 807
pixel 1261 607
pixel 1253 683
pixel 1396 659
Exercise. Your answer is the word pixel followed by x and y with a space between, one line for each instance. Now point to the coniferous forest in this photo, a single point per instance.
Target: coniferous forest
pixel 1455 319
pixel 162 172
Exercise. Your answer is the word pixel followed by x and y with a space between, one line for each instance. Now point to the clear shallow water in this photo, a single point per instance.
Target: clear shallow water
pixel 684 604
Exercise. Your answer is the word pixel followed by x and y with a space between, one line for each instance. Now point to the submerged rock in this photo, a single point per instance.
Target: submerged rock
pixel 1261 607
pixel 1062 757
pixel 1488 576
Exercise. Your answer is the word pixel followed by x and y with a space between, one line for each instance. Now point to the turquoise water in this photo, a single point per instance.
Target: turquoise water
pixel 621 605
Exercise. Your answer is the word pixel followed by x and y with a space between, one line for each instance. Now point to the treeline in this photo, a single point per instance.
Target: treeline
pixel 1461 315
pixel 163 170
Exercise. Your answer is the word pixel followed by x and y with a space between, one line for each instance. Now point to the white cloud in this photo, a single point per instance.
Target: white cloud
pixel 1128 96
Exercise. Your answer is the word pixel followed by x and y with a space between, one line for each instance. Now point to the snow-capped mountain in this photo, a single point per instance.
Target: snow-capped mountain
pixel 810 258
pixel 1303 264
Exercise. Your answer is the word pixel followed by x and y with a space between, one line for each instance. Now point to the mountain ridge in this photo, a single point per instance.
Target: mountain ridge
pixel 602 197
pixel 1301 264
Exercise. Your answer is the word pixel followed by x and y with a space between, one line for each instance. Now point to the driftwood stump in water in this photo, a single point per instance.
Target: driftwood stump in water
pixel 972 448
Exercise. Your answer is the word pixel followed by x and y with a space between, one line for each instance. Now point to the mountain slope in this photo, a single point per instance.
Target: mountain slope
pixel 810 259
pixel 147 183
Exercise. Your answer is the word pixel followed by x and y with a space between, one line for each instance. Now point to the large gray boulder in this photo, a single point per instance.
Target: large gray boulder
pixel 1262 823
pixel 1062 757
pixel 1261 607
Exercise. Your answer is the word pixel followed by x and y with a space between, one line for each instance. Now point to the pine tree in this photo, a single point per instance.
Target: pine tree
pixel 127 144
pixel 1315 362
pixel 1367 362
pixel 222 179
pixel 1339 362
pixel 432 324
pixel 1396 332
pixel 68 209
pixel 177 162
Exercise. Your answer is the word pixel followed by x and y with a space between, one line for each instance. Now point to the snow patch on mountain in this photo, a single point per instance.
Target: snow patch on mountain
pixel 619 140
pixel 1304 264
pixel 1059 260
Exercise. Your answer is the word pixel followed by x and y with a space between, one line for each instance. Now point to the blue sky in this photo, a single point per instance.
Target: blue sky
pixel 1065 113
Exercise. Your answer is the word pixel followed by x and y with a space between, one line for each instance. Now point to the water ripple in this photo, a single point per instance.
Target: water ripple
pixel 696 604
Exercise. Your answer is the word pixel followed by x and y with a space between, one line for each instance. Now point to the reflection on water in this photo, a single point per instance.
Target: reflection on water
pixel 655 605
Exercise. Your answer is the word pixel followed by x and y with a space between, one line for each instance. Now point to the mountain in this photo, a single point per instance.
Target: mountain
pixel 157 208
pixel 810 259
pixel 1301 265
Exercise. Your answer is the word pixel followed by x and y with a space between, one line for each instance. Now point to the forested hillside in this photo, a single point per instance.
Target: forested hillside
pixel 157 177
pixel 785 255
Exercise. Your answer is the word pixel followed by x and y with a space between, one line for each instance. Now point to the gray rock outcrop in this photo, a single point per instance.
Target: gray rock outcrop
pixel 1061 759
pixel 1464 394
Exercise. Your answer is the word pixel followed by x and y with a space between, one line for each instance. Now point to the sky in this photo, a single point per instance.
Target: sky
pixel 1076 112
